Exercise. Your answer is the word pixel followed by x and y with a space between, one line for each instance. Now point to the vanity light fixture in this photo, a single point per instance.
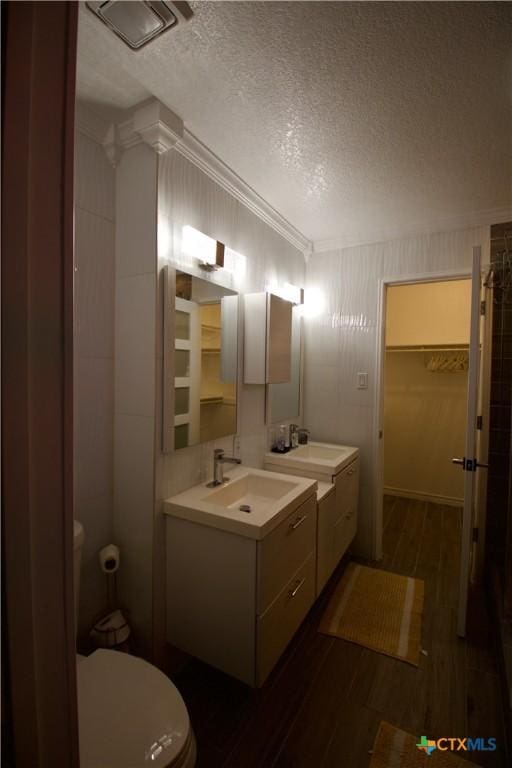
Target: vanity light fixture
pixel 292 293
pixel 287 291
pixel 208 251
pixel 137 22
pixel 210 266
pixel 314 302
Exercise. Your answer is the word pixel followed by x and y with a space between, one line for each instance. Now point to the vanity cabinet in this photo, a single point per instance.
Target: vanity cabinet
pixel 235 602
pixel 267 339
pixel 336 469
pixel 337 521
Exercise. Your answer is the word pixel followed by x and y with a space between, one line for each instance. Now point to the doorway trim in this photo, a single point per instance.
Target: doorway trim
pixel 378 441
pixel 37 384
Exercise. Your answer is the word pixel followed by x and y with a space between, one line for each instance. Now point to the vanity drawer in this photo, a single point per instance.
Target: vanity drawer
pixel 281 620
pixel 346 485
pixel 283 550
pixel 343 534
pixel 326 557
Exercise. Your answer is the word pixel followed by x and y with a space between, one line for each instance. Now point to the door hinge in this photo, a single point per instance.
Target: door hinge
pixel 482 307
pixel 475 535
pixel 479 422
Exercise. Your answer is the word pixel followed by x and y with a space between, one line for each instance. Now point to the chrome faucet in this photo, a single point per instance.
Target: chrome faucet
pixel 218 460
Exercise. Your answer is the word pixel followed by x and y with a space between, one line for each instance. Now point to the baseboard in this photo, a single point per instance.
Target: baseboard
pixel 404 493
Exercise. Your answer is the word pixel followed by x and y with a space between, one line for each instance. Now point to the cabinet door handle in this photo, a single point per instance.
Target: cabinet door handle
pixel 298 522
pixel 294 591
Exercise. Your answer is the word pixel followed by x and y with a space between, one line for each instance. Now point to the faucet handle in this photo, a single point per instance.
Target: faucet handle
pixel 218 453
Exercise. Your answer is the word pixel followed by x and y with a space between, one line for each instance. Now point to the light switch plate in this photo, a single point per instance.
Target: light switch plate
pixel 362 381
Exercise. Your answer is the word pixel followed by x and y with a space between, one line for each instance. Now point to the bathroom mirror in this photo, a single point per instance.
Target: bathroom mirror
pixel 200 360
pixel 283 400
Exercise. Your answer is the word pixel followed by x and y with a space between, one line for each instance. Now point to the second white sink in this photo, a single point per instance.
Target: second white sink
pixel 317 458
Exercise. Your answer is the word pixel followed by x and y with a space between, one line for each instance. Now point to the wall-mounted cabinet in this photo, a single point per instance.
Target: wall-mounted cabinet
pixel 337 470
pixel 236 602
pixel 284 400
pixel 267 339
pixel 200 360
pixel 337 522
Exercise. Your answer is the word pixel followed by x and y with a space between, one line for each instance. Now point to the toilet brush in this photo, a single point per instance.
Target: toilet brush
pixel 113 629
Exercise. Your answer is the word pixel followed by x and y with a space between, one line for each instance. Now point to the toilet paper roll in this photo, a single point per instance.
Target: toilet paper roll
pixel 109 558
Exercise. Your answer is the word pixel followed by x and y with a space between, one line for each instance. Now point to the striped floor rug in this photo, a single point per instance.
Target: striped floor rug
pixel 394 748
pixel 379 610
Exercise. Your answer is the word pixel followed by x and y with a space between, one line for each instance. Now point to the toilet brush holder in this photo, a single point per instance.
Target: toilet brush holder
pixel 112 631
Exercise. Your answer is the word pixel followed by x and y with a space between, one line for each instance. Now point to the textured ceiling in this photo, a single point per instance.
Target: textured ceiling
pixel 351 119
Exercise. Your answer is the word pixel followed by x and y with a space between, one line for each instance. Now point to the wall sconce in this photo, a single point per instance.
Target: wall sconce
pixel 287 291
pixel 208 251
pixel 314 302
pixel 218 262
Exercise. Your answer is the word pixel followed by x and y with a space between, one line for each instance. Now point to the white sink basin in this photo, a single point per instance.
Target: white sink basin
pixel 258 492
pixel 251 503
pixel 316 459
pixel 318 452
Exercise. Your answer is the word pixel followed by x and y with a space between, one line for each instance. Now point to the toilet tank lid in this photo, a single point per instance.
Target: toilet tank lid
pixel 78 534
pixel 129 712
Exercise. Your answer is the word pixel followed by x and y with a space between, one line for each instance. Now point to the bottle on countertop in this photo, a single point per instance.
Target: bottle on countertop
pixel 281 443
pixel 302 436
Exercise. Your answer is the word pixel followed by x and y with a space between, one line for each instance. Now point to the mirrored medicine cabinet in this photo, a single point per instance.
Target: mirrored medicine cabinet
pixel 200 360
pixel 283 400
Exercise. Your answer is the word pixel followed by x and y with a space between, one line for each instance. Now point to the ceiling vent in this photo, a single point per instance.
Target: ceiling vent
pixel 137 22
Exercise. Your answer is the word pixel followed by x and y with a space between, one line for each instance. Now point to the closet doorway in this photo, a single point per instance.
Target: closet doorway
pixel 424 419
pixel 425 390
pixel 433 380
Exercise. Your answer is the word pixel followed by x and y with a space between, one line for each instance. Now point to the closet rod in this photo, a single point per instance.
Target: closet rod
pixel 431 348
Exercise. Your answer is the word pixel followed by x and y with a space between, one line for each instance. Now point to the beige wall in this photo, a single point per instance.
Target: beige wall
pixel 424 427
pixel 424 411
pixel 428 313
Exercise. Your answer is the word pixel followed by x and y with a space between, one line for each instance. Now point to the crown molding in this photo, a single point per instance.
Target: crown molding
pixel 153 124
pixel 464 221
pixel 203 158
pixel 156 125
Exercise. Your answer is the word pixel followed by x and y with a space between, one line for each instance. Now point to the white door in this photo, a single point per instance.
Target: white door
pixel 471 463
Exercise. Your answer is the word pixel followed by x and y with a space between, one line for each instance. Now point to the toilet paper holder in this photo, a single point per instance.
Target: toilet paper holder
pixel 109 558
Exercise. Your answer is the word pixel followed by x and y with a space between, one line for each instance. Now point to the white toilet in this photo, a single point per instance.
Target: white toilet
pixel 130 715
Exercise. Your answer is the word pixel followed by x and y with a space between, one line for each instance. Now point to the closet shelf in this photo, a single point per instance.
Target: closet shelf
pixel 211 400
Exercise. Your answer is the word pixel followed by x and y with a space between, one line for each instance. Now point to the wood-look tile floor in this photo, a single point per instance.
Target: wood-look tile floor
pixel 322 704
